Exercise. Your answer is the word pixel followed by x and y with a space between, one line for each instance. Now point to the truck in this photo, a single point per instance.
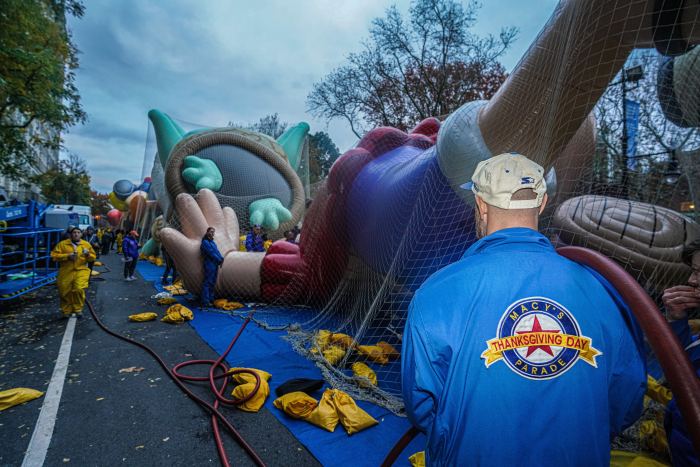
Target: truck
pixel 85 218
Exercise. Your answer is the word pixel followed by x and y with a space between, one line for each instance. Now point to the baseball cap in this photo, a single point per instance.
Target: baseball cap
pixel 497 178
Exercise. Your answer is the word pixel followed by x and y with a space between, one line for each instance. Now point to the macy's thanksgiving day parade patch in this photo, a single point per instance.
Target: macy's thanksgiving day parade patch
pixel 539 339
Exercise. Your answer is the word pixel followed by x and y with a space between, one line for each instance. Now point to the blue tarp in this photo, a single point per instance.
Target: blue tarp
pixel 267 350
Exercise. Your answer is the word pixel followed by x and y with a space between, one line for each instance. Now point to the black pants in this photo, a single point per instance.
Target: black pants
pixel 129 268
pixel 169 266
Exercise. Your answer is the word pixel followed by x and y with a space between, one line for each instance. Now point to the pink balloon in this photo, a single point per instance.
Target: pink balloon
pixel 114 216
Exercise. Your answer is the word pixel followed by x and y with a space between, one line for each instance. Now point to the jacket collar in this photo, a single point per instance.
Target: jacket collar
pixel 513 239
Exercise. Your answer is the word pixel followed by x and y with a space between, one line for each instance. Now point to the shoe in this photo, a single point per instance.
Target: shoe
pixel 129 279
pixel 133 278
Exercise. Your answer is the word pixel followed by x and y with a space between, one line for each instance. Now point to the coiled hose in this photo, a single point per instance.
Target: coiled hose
pixel 679 372
pixel 218 369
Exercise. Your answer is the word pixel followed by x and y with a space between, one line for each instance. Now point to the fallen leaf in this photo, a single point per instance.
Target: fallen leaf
pixel 131 369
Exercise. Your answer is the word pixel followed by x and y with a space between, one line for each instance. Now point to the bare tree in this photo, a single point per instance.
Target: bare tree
pixel 412 68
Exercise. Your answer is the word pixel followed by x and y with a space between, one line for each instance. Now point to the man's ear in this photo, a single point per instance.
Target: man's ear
pixel 544 203
pixel 482 206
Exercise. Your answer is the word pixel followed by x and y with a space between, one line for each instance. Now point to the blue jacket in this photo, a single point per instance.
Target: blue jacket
pixel 254 242
pixel 211 254
pixel 515 355
pixel 682 450
pixel 130 247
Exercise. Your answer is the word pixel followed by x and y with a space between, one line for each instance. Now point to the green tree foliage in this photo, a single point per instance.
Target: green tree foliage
pixel 322 154
pixel 99 203
pixel 38 96
pixel 67 183
pixel 426 65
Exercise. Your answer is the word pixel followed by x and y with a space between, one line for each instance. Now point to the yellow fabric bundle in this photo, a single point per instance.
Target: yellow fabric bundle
pixel 632 459
pixel 226 304
pixel 352 417
pixel 418 459
pixel 241 243
pixel 360 369
pixel 374 353
pixel 242 378
pixel 389 351
pixel 653 436
pixel 177 288
pixel 325 414
pixel 177 314
pixel 15 396
pixel 341 340
pixel 333 354
pixel 266 244
pixel 141 317
pixel 323 339
pixel 296 404
pixel 694 326
pixel 167 300
pixel 246 384
pixel 657 392
pixel 257 401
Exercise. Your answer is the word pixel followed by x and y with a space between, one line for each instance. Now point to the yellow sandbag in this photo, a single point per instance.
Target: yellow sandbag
pixel 325 414
pixel 632 459
pixel 694 325
pixel 653 437
pixel 266 244
pixel 418 459
pixel 657 392
pixel 374 353
pixel 241 243
pixel 241 378
pixel 158 262
pixel 333 354
pixel 342 340
pixel 257 401
pixel 15 396
pixel 98 263
pixel 323 339
pixel 296 404
pixel 360 369
pixel 389 351
pixel 177 314
pixel 167 300
pixel 141 317
pixel 352 417
pixel 225 304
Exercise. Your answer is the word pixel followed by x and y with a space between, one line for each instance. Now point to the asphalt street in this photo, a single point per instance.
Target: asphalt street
pixel 118 407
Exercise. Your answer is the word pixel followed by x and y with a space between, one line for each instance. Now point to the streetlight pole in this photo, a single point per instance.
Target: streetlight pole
pixel 631 74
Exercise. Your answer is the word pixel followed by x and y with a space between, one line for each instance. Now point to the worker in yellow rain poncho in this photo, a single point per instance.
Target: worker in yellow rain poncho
pixel 73 255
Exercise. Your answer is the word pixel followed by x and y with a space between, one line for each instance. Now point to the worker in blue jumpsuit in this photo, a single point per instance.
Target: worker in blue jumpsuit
pixel 212 261
pixel 255 240
pixel 515 355
pixel 678 301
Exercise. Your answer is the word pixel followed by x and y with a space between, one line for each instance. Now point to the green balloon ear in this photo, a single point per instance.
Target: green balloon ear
pixel 168 133
pixel 292 141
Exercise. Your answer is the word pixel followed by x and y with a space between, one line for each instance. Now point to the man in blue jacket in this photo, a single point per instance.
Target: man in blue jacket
pixel 255 241
pixel 212 261
pixel 131 254
pixel 515 355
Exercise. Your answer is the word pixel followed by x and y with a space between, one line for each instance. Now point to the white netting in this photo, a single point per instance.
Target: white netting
pixel 391 214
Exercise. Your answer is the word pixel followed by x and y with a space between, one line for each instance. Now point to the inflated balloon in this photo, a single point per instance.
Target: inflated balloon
pixel 137 205
pixel 123 188
pixel 114 216
pixel 117 203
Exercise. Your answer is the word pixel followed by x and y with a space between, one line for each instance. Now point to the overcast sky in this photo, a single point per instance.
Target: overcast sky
pixel 210 62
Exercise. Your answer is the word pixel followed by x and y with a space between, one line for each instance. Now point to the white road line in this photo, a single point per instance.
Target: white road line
pixel 41 438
